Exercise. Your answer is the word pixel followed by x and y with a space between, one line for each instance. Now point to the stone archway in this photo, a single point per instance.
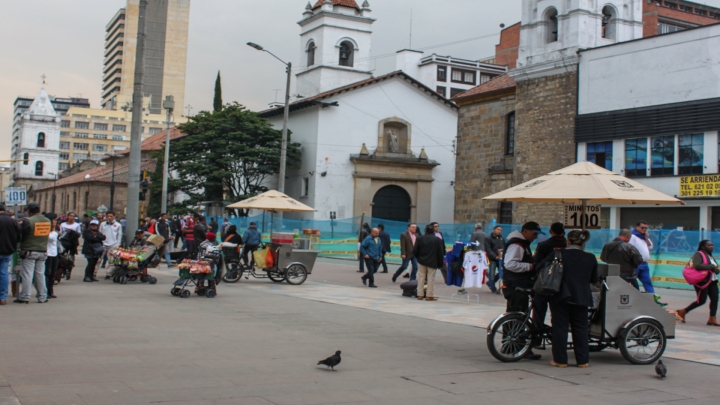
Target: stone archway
pixel 392 203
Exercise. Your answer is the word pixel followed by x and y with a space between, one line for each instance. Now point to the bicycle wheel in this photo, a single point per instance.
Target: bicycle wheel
pixel 510 338
pixel 276 276
pixel 296 274
pixel 643 341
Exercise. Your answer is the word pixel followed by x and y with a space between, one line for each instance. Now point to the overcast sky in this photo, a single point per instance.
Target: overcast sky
pixel 65 39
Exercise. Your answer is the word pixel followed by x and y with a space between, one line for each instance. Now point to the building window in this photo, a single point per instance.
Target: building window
pixel 63 166
pixel 65 124
pixel 485 78
pixel 74 200
pixel 346 54
pixel 64 133
pixel 154 131
pixel 510 137
pixel 64 156
pixel 64 145
pixel 39 168
pixel 41 140
pixel 100 127
pixel 442 73
pixel 663 156
pixel 80 157
pixel 97 157
pixel 600 153
pixel 441 90
pixel 311 53
pixel 26 158
pixel 99 148
pixel 81 135
pixel 455 92
pixel 551 25
pixel 118 138
pixel 505 213
pixel 81 146
pixel 99 136
pixel 690 153
pixel 608 22
pixel 668 27
pixel 636 157
pixel 82 125
pixel 118 128
pixel 305 187
pixel 463 76
pixel 87 198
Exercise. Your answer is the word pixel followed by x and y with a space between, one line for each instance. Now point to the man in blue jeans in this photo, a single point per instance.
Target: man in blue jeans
pixel 371 251
pixel 641 240
pixel 9 236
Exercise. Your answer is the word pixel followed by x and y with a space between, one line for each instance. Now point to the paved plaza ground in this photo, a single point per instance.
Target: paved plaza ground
pixel 258 343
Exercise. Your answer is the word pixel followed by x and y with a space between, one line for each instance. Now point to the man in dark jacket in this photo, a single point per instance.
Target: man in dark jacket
pixel 163 227
pixel 407 243
pixel 546 248
pixel 620 251
pixel 371 252
pixel 430 253
pixel 494 245
pixel 200 230
pixel 386 245
pixel 9 238
pixel 364 233
pixel 252 238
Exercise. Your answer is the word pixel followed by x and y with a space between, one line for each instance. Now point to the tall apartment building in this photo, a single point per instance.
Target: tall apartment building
pixel 165 54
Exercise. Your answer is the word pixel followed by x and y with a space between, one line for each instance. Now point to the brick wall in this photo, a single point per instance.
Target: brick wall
pixel 652 13
pixel 482 167
pixel 506 52
pixel 545 125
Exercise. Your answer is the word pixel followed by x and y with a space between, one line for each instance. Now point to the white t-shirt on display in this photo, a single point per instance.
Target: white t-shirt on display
pixel 475 268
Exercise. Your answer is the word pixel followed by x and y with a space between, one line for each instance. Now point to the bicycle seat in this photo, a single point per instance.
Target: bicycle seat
pixel 524 290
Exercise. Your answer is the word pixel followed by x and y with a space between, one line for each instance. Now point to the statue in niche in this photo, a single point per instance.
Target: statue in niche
pixel 394 141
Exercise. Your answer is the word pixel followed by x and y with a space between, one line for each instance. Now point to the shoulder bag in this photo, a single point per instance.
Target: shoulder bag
pixel 696 277
pixel 550 277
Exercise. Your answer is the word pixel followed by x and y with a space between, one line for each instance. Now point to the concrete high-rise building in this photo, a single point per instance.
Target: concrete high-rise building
pixel 165 54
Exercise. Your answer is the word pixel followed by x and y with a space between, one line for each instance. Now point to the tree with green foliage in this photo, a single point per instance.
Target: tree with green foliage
pixel 227 155
pixel 217 101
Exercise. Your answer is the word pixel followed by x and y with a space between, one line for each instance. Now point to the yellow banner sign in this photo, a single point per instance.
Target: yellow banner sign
pixel 700 186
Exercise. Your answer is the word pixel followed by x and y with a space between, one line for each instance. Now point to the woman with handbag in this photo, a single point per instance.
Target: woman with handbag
pixel 569 307
pixel 703 261
pixel 92 249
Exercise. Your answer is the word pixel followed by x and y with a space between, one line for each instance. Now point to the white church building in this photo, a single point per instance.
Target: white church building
pixel 36 145
pixel 380 146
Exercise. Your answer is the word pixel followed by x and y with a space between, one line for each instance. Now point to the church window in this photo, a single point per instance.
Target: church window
pixel 39 168
pixel 505 213
pixel 441 90
pixel 346 54
pixel 41 140
pixel 442 73
pixel 608 22
pixel 82 125
pixel 311 53
pixel 26 158
pixel 510 135
pixel 551 25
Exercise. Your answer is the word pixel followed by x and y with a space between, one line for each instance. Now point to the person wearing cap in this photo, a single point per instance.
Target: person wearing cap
pixel 252 238
pixel 139 240
pixel 519 270
pixel 9 238
pixel 35 232
pixel 545 249
pixel 92 249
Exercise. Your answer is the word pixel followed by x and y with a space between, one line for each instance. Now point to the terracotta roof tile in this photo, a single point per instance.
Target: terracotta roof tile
pixel 503 82
pixel 102 174
pixel 155 142
pixel 347 3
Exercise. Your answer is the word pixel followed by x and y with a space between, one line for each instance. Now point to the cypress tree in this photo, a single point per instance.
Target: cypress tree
pixel 217 102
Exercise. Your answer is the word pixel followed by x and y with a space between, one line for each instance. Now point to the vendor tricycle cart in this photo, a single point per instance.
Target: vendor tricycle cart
pixel 290 264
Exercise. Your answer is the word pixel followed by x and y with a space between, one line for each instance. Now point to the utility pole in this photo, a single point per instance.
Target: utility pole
pixel 133 192
pixel 169 106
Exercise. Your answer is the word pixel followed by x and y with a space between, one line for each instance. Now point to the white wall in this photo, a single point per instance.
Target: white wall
pixel 48 155
pixel 665 69
pixel 342 130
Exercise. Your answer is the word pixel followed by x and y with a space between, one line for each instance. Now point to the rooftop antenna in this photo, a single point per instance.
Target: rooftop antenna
pixel 276 94
pixel 43 77
pixel 411 26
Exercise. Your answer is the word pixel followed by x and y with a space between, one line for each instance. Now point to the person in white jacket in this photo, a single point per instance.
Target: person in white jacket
pixel 641 240
pixel 113 237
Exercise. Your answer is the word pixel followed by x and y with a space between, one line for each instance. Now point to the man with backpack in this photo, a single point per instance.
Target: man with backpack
pixel 619 251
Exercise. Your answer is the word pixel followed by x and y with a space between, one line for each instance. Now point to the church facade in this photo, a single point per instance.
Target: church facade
pixel 379 146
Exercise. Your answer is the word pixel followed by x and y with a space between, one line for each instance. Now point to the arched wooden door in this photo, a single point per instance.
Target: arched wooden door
pixel 392 203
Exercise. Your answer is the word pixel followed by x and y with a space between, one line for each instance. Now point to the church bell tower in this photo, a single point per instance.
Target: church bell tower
pixel 335 41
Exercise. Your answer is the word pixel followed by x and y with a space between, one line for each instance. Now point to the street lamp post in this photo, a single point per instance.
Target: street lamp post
pixel 53 194
pixel 87 195
pixel 283 147
pixel 112 183
pixel 169 106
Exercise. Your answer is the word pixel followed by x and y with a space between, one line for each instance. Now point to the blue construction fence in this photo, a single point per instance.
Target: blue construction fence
pixel 671 251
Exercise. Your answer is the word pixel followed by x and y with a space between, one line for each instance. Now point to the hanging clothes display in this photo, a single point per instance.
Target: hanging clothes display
pixel 454 260
pixel 475 266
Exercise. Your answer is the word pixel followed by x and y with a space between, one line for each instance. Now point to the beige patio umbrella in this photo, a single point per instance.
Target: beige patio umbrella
pixel 584 183
pixel 272 201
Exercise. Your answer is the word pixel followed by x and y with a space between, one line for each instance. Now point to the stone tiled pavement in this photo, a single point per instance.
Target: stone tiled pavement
pixel 257 343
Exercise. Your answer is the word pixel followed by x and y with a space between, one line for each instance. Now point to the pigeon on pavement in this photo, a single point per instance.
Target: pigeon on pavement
pixel 660 369
pixel 331 361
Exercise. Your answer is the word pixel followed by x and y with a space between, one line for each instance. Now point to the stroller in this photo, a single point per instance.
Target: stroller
pixel 132 266
pixel 196 272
